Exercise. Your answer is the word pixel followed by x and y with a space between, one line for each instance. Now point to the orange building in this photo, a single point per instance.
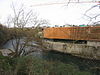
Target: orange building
pixel 73 33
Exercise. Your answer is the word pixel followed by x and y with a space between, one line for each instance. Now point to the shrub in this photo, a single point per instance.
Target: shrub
pixel 35 66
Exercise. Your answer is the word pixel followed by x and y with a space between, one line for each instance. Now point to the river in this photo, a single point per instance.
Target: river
pixel 87 65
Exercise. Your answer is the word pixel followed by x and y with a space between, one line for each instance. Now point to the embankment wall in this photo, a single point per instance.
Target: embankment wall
pixel 83 50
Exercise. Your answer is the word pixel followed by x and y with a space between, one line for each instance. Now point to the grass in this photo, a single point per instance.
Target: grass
pixel 35 66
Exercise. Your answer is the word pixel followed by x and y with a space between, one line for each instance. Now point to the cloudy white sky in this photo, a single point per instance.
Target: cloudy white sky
pixel 57 14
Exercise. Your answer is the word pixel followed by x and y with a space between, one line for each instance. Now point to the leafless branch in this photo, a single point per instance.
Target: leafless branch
pixel 90 9
pixel 91 18
pixel 20 19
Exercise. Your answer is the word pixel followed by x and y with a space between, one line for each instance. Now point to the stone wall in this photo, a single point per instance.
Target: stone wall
pixel 83 50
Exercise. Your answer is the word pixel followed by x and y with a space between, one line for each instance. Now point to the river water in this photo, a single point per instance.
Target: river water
pixel 87 65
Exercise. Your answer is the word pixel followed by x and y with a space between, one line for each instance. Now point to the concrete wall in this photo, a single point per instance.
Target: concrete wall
pixel 82 50
pixel 93 43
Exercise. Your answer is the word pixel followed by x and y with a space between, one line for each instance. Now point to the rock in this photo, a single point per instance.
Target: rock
pixel 5 52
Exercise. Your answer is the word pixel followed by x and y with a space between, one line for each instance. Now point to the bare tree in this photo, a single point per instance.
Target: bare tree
pixel 22 36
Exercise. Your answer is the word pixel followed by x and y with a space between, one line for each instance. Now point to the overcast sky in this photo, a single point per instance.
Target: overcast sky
pixel 57 14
